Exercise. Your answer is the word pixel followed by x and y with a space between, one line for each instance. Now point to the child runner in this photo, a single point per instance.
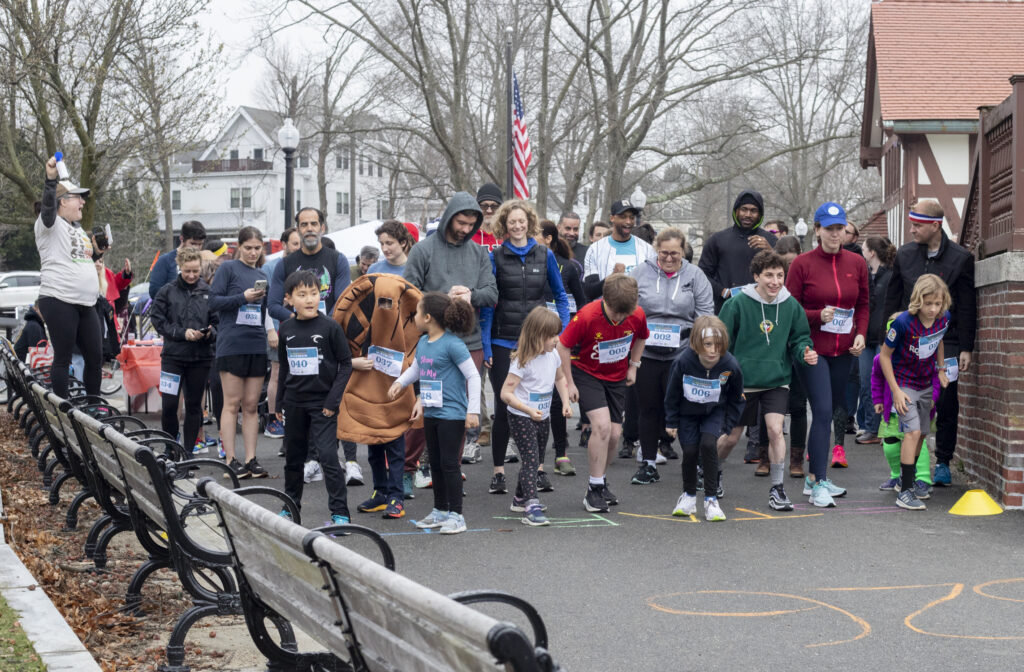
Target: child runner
pixel 534 369
pixel 768 331
pixel 444 370
pixel 703 400
pixel 908 359
pixel 889 429
pixel 607 337
pixel 315 366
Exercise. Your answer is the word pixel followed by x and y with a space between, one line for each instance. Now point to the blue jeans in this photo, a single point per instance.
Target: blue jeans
pixel 866 417
pixel 387 461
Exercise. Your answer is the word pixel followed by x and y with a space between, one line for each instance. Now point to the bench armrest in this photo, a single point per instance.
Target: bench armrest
pixel 540 632
pixel 387 556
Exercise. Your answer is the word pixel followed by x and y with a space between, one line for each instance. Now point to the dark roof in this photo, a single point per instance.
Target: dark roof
pixel 268 121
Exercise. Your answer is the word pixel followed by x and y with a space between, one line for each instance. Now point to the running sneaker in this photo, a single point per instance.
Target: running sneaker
pixel 839 457
pixel 891 484
pixel 628 449
pixel 455 524
pixel 645 475
pixel 909 501
pixel 668 451
pixel 432 521
pixel 220 450
pixel 338 519
pixel 200 448
pixel 471 454
pixel 778 500
pixel 311 472
pixel 594 501
pixel 866 439
pixel 407 486
pixel 510 453
pixel 942 476
pixel 353 473
pixel 686 505
pixel 422 479
pixel 498 485
pixel 820 496
pixel 712 511
pixel 543 482
pixel 519 505
pixel 534 516
pixel 274 430
pixel 833 489
pixel 395 509
pixel 286 514
pixel 255 470
pixel 608 496
pixel 563 466
pixel 922 490
pixel 377 502
pixel 281 452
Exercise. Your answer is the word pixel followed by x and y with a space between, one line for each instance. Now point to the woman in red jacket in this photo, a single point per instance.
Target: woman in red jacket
pixel 832 285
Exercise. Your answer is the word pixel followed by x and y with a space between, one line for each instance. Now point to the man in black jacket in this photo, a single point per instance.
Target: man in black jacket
pixel 933 252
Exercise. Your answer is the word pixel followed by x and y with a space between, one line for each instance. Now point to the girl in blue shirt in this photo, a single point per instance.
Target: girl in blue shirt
pixel 444 370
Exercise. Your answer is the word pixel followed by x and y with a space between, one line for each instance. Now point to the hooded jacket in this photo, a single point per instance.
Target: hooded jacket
pixel 678 300
pixel 179 306
pixel 955 265
pixel 818 279
pixel 31 334
pixel 436 265
pixel 727 371
pixel 765 336
pixel 878 283
pixel 726 256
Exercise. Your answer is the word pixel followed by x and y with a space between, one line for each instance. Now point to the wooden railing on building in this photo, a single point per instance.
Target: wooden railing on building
pixel 993 217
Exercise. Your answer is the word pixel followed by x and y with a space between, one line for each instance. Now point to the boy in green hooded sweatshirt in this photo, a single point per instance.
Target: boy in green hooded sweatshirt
pixel 768 332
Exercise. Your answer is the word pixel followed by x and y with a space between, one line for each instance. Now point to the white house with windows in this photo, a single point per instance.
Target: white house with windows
pixel 238 180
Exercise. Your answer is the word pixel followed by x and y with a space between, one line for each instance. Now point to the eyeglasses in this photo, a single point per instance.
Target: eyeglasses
pixel 670 255
pixel 490 207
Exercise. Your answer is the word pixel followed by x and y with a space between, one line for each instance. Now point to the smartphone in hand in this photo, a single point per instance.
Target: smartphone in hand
pixel 260 286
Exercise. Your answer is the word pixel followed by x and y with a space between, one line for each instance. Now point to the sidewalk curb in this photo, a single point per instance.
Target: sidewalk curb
pixel 52 638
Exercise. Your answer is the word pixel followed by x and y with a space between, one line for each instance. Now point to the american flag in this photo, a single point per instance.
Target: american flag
pixel 521 144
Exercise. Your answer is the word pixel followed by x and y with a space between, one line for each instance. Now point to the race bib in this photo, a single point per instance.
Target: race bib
pixel 431 393
pixel 388 362
pixel 664 335
pixel 627 260
pixel 249 315
pixel 702 390
pixel 303 361
pixel 952 368
pixel 552 307
pixel 541 401
pixel 735 290
pixel 170 383
pixel 572 304
pixel 927 345
pixel 610 352
pixel 842 321
pixel 322 307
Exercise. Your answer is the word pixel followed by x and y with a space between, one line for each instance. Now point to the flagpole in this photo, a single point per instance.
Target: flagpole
pixel 508 113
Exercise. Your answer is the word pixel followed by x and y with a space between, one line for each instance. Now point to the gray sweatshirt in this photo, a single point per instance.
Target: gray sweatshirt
pixel 436 265
pixel 671 302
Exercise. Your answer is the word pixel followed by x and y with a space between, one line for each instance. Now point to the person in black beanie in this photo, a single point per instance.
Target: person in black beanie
pixel 726 256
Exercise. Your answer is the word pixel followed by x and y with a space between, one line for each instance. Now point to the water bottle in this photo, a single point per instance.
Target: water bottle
pixel 62 170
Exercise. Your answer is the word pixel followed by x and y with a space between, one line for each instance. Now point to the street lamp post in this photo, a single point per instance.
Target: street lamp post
pixel 288 139
pixel 639 199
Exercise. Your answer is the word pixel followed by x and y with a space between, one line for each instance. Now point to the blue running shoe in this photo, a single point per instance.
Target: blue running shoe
pixel 284 514
pixel 338 519
pixel 942 476
pixel 892 484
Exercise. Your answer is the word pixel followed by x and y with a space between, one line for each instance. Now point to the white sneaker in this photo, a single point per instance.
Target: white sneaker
pixel 353 473
pixel 311 472
pixel 821 497
pixel 471 454
pixel 660 459
pixel 712 511
pixel 686 505
pixel 433 521
pixel 454 524
pixel 421 480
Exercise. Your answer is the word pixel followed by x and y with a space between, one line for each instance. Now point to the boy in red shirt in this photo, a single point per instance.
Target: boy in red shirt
pixel 608 338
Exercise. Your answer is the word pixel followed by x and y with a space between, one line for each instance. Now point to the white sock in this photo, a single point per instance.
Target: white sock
pixel 597 480
pixel 652 463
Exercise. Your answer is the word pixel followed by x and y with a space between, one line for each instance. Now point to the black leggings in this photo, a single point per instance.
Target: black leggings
pixel 193 381
pixel 651 385
pixel 797 415
pixel 500 358
pixel 707 451
pixel 825 384
pixel 70 325
pixel 444 443
pixel 559 432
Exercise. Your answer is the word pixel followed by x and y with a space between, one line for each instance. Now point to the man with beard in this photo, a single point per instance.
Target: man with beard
pixel 328 265
pixel 569 228
pixel 617 253
pixel 727 253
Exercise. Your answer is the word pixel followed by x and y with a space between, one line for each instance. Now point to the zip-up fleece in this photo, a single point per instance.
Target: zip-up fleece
pixel 765 337
pixel 817 279
pixel 727 371
pixel 676 300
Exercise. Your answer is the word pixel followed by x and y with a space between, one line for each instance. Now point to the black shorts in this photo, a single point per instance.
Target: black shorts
pixel 596 393
pixel 243 366
pixel 775 400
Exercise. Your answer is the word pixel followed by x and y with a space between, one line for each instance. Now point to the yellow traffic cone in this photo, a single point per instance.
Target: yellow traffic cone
pixel 976 503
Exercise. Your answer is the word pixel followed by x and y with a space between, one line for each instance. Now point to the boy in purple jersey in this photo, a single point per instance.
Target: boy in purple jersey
pixel 908 359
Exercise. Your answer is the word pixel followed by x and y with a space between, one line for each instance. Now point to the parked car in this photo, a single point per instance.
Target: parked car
pixel 18 289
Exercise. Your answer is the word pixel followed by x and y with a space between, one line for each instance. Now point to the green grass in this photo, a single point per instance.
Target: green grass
pixel 16 652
